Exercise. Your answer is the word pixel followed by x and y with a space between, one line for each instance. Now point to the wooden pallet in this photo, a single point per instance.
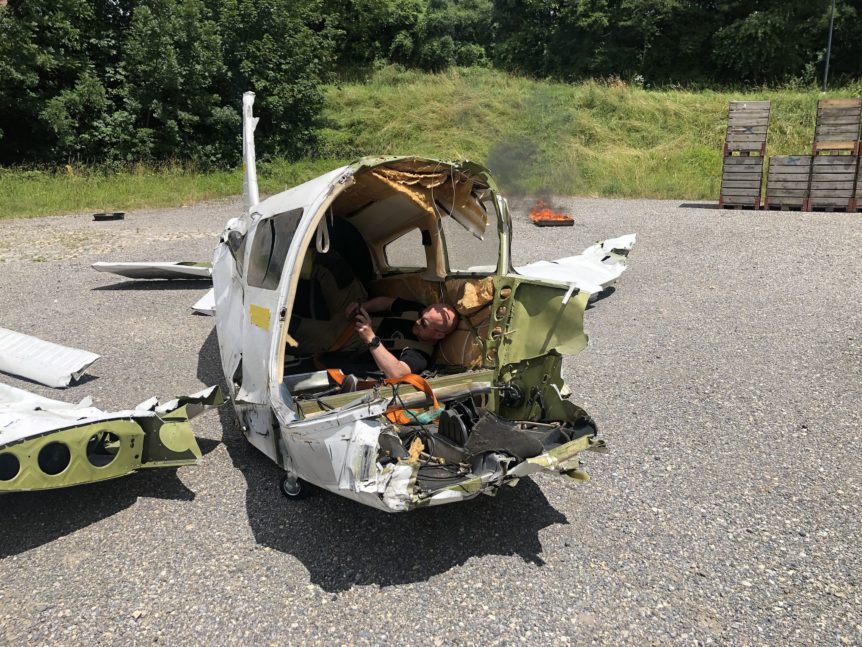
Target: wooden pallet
pixel 833 182
pixel 836 149
pixel 744 148
pixel 787 182
pixel 837 126
pixel 858 195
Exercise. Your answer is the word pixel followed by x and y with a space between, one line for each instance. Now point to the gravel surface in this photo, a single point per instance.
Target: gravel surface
pixel 724 374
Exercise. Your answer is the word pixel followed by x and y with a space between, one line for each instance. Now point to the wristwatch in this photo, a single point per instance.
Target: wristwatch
pixel 374 343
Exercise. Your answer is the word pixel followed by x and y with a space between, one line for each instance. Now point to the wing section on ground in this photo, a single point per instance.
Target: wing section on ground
pixel 46 444
pixel 158 270
pixel 42 361
pixel 591 271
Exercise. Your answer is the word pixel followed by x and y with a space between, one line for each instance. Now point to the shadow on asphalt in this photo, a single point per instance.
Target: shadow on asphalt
pixel 699 205
pixel 604 294
pixel 155 284
pixel 343 543
pixel 86 378
pixel 30 519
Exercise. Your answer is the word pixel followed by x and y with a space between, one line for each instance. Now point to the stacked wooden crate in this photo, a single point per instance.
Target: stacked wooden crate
pixel 787 182
pixel 744 148
pixel 835 155
pixel 858 195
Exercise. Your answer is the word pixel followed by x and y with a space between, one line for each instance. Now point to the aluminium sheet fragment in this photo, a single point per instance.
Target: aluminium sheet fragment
pixel 206 304
pixel 591 271
pixel 42 361
pixel 157 270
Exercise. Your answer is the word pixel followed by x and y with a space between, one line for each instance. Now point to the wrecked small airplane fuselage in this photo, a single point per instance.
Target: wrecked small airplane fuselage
pixel 418 229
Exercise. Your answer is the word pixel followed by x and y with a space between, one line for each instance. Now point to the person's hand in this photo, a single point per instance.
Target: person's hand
pixel 363 326
pixel 352 309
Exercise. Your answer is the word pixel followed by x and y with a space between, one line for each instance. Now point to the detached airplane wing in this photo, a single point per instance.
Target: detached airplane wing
pixel 46 444
pixel 591 271
pixel 157 270
pixel 167 271
pixel 42 361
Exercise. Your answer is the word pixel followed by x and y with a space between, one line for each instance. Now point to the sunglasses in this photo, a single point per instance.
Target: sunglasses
pixel 424 324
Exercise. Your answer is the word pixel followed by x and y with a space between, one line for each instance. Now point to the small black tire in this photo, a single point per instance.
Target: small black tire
pixel 300 488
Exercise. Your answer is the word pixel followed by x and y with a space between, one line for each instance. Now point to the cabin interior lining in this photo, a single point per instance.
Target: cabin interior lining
pixel 384 203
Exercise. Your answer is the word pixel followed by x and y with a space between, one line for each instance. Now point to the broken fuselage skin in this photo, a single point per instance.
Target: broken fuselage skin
pixel 507 409
pixel 47 444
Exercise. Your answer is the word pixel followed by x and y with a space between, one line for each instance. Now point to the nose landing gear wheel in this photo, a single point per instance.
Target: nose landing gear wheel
pixel 297 489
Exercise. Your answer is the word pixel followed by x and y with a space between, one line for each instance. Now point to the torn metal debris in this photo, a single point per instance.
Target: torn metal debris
pixel 46 444
pixel 593 270
pixel 42 361
pixel 151 270
pixel 206 304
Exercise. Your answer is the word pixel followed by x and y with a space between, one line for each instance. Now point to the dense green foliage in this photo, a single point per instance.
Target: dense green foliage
pixel 128 80
pixel 653 41
pixel 672 41
pixel 112 82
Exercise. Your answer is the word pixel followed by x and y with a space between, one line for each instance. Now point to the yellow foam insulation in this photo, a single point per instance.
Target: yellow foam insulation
pixel 474 295
pixel 454 193
pixel 415 449
pixel 366 189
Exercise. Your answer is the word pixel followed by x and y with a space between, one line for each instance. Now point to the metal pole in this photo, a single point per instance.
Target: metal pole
pixel 829 47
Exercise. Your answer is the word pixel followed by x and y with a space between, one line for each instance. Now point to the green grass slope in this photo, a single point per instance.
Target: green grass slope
pixel 587 139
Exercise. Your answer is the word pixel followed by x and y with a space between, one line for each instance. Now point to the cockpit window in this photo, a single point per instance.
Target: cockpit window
pixel 269 249
pixel 466 251
pixel 407 251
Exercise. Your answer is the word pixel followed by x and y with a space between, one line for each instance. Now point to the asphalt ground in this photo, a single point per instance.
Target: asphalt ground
pixel 724 374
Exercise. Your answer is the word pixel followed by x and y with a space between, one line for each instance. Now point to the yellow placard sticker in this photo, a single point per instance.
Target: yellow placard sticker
pixel 259 316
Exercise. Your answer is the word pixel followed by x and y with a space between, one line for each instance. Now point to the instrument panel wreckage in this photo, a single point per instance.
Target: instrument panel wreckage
pixel 285 273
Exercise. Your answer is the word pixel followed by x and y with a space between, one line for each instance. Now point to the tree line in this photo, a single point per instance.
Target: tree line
pixel 108 81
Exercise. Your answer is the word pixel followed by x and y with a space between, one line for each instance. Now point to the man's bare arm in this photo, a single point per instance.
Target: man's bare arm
pixel 386 361
pixel 377 304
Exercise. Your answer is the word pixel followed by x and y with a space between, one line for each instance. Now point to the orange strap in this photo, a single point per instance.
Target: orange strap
pixel 335 375
pixel 343 338
pixel 395 413
pixel 417 382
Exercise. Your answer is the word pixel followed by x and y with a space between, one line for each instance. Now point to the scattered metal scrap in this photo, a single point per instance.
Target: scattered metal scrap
pixel 109 215
pixel 148 270
pixel 206 304
pixel 593 270
pixel 167 271
pixel 42 361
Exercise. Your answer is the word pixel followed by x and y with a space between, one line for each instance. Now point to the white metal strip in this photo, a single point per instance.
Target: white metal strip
pixel 42 361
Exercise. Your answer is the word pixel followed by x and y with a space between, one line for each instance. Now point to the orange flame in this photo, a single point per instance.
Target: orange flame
pixel 542 214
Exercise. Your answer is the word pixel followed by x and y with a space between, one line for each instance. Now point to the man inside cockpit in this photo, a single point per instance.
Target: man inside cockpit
pixel 401 344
